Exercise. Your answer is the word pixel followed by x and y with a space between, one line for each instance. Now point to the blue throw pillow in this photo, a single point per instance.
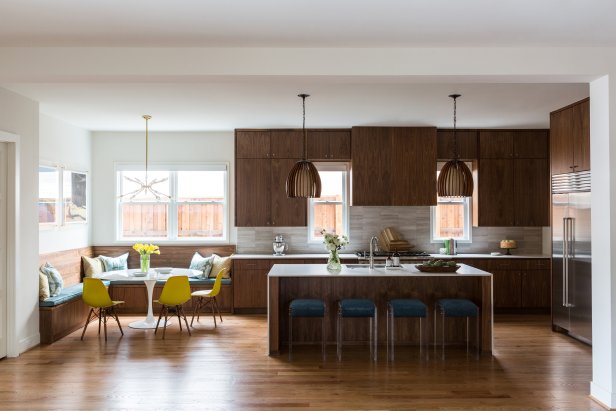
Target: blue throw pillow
pixel 115 263
pixel 203 264
pixel 56 283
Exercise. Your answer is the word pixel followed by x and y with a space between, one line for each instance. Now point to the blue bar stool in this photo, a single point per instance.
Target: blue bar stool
pixel 357 308
pixel 307 308
pixel 404 308
pixel 460 308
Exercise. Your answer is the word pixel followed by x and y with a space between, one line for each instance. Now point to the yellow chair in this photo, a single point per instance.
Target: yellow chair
pixel 208 297
pixel 95 295
pixel 175 293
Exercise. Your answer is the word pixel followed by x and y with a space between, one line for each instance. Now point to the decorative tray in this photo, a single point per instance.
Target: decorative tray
pixel 139 274
pixel 433 269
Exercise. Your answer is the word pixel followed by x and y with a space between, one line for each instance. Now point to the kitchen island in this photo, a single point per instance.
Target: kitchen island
pixel 287 282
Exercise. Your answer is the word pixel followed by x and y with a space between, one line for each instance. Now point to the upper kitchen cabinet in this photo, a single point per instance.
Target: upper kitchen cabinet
pixel 513 144
pixel 329 145
pixel 269 144
pixel 570 138
pixel 466 142
pixel 393 166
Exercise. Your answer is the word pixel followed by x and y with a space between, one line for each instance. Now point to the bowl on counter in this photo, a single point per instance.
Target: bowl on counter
pixel 163 270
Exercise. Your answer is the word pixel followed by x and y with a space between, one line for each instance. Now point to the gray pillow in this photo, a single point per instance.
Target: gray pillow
pixel 115 263
pixel 56 283
pixel 203 264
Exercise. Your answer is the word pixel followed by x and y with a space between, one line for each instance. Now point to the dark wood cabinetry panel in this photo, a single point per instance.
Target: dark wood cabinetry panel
pixel 285 212
pixel 570 138
pixel 532 144
pixel 496 143
pixel 329 144
pixel 414 166
pixel 252 192
pixel 371 171
pixel 286 144
pixel 536 286
pixel 466 143
pixel 531 192
pixel 507 289
pixel 496 193
pixel 250 289
pixel 252 143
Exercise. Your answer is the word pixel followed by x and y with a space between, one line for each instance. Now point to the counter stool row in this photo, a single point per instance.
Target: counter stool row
pixel 397 308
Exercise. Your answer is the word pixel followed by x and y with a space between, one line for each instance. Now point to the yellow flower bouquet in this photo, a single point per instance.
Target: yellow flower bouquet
pixel 145 250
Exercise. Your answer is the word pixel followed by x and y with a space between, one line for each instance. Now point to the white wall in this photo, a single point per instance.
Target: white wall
pixel 20 115
pixel 109 148
pixel 61 144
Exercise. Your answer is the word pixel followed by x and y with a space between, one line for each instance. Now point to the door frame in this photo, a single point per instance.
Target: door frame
pixel 12 239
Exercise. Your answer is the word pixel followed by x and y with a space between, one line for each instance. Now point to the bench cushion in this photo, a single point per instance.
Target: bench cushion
pixel 67 294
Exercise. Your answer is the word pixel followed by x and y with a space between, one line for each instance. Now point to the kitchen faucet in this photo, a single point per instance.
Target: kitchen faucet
pixel 374 242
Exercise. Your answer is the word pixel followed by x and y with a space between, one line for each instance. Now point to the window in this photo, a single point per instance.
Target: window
pixel 191 203
pixel 451 218
pixel 330 211
pixel 62 196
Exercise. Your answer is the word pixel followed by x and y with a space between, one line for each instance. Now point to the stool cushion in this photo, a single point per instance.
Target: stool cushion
pixel 306 308
pixel 356 308
pixel 458 307
pixel 408 307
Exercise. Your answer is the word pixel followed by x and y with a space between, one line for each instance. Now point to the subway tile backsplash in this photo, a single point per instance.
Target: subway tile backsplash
pixel 412 222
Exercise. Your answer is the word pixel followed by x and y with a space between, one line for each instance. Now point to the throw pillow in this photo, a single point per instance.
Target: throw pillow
pixel 115 263
pixel 203 264
pixel 221 263
pixel 43 286
pixel 92 266
pixel 56 283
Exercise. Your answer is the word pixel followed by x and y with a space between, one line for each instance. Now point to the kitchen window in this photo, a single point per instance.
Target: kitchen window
pixel 451 217
pixel 62 196
pixel 329 212
pixel 191 205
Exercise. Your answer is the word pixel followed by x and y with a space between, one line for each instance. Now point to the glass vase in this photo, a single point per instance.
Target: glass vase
pixel 333 262
pixel 144 263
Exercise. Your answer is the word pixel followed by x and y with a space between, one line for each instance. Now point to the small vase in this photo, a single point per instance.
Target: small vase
pixel 144 263
pixel 333 262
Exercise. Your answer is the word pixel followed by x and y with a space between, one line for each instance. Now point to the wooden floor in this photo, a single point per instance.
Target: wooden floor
pixel 226 368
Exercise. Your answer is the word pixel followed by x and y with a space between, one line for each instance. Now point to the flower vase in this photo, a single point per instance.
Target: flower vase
pixel 144 263
pixel 333 262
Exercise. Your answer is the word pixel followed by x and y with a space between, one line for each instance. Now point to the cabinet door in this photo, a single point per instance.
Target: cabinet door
pixel 507 289
pixel 370 173
pixel 287 144
pixel 581 135
pixel 536 289
pixel 531 192
pixel 496 193
pixel 496 143
pixel 531 144
pixel 466 143
pixel 252 192
pixel 317 145
pixel 329 144
pixel 561 142
pixel 252 144
pixel 285 212
pixel 250 289
pixel 413 164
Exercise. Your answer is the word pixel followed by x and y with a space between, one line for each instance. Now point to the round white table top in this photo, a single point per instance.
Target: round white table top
pixel 134 274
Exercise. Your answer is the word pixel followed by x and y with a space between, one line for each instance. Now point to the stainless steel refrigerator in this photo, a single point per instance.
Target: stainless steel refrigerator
pixel 571 256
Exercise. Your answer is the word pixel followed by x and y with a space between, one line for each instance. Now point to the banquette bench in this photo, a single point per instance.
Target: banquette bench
pixel 63 314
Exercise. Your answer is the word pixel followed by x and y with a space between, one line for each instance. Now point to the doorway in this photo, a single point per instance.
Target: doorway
pixel 3 247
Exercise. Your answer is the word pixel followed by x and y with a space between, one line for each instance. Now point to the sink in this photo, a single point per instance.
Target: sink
pixel 364 265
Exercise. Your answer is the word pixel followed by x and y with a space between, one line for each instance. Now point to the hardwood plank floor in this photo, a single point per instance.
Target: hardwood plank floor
pixel 226 368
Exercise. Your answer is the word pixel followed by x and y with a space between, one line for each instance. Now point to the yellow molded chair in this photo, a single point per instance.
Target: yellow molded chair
pixel 175 293
pixel 208 297
pixel 95 295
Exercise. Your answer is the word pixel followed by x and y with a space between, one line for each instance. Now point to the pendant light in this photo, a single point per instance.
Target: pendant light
pixel 304 180
pixel 146 186
pixel 455 179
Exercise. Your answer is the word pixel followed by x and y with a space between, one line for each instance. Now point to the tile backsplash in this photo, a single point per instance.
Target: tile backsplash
pixel 412 222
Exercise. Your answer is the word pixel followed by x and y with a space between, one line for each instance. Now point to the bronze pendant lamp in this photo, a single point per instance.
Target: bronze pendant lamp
pixel 304 180
pixel 455 179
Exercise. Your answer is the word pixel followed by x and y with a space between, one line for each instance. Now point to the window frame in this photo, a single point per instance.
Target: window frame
pixel 59 203
pixel 468 212
pixel 172 204
pixel 331 166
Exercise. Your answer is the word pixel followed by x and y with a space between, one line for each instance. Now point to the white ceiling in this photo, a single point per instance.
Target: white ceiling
pixel 230 101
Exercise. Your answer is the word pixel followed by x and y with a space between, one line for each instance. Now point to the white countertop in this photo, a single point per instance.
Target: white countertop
pixel 129 275
pixel 320 270
pixel 286 256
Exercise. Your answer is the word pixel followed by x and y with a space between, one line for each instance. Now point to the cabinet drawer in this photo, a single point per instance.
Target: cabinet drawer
pixel 259 264
pixel 538 264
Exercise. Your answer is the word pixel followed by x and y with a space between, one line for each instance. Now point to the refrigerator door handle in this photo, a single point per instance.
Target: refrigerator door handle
pixel 567 247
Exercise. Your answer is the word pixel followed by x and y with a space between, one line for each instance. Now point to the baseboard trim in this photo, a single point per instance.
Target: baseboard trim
pixel 601 396
pixel 27 343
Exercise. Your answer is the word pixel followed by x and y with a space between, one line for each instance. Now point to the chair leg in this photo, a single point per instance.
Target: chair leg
pixel 159 317
pixel 99 321
pixel 196 310
pixel 213 311
pixel 115 315
pixel 165 327
pixel 217 308
pixel 185 320
pixel 87 322
pixel 104 314
pixel 177 312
